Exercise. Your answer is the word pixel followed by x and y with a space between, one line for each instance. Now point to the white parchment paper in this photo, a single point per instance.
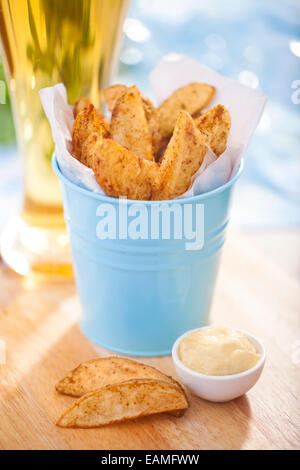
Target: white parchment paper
pixel 173 71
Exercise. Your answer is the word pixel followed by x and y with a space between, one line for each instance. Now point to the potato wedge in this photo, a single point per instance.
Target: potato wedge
pixel 112 94
pixel 129 125
pixel 89 146
pixel 122 173
pixel 81 104
pixel 182 158
pixel 96 373
pixel 215 125
pixel 84 103
pixel 191 98
pixel 123 401
pixel 86 123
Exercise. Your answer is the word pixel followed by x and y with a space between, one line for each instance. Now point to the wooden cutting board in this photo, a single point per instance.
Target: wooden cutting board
pixel 38 324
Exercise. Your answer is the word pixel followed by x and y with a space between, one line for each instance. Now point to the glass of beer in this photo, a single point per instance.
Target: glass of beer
pixel 45 42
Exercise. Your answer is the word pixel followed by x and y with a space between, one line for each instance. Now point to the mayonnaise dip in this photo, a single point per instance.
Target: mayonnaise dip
pixel 217 350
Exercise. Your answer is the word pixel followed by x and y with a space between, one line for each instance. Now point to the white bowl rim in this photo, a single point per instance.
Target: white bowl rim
pixel 220 377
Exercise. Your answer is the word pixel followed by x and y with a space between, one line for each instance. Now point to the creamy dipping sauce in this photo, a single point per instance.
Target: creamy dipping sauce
pixel 217 350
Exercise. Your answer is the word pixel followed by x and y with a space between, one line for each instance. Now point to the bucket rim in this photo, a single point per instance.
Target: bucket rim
pixel 105 198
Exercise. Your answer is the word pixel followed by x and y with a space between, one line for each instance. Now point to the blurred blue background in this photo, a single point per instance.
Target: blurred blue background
pixel 254 41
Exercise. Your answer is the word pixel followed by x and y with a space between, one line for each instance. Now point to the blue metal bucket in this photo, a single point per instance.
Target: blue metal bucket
pixel 139 295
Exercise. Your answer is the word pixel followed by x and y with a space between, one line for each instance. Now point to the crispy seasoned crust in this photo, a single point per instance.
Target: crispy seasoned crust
pixel 123 401
pixel 114 92
pixel 129 126
pixel 182 158
pixel 191 98
pixel 87 123
pixel 81 104
pixel 89 147
pixel 96 373
pixel 84 103
pixel 122 173
pixel 215 125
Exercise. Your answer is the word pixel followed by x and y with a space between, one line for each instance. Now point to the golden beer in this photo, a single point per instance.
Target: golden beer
pixel 45 42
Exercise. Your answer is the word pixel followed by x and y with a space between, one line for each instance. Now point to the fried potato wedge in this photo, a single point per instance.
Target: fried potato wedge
pixel 112 94
pixel 80 105
pixel 215 125
pixel 96 373
pixel 129 125
pixel 182 158
pixel 87 122
pixel 191 98
pixel 122 173
pixel 84 103
pixel 88 148
pixel 123 401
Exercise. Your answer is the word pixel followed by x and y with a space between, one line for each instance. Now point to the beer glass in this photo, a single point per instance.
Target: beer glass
pixel 45 42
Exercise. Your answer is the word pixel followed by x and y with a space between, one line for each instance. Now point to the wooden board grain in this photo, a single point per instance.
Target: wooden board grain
pixel 38 324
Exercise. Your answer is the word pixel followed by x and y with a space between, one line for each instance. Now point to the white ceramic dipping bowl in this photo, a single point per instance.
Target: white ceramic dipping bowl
pixel 219 388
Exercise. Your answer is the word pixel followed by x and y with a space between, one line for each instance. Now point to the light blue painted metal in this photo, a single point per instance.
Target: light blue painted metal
pixel 138 296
